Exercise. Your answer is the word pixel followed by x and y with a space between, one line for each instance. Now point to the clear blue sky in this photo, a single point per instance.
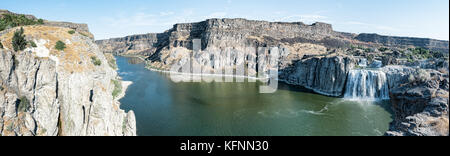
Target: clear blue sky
pixel 117 18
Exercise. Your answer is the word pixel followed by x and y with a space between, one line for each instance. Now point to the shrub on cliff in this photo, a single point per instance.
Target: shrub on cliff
pixel 32 44
pixel 24 104
pixel 60 45
pixel 1 45
pixel 96 61
pixel 383 49
pixel 40 21
pixel 18 41
pixel 71 32
pixel 117 88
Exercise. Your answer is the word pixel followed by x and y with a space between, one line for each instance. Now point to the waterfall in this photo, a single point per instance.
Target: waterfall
pixel 366 85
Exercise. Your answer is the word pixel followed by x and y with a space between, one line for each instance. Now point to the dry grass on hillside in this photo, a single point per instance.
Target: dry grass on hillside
pixel 74 58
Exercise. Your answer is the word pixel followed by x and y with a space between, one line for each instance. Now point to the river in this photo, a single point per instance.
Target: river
pixel 166 108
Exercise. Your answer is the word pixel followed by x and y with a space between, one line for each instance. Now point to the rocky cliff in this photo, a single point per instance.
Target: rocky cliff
pixel 48 92
pixel 390 41
pixel 224 39
pixel 242 32
pixel 419 100
pixel 325 75
pixel 131 45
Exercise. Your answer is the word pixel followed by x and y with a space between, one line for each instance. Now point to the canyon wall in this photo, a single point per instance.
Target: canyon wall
pixel 49 92
pixel 432 44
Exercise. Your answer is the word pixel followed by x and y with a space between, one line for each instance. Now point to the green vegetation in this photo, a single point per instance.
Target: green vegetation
pixel 112 64
pixel 18 41
pixel 410 58
pixel 10 127
pixel 1 45
pixel 10 21
pixel 60 45
pixel 354 47
pixel 370 58
pixel 369 50
pixel 383 49
pixel 117 88
pixel 421 53
pixel 96 61
pixel 32 44
pixel 124 124
pixel 24 104
pixel 358 67
pixel 40 21
pixel 71 31
pixel 85 35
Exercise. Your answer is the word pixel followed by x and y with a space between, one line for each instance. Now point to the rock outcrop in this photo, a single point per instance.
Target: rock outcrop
pixel 49 92
pixel 419 100
pixel 131 45
pixel 3 12
pixel 325 75
pixel 432 44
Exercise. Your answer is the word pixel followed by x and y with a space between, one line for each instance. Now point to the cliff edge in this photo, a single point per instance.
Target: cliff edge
pixel 60 84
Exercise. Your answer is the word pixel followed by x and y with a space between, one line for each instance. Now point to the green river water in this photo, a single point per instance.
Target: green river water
pixel 166 108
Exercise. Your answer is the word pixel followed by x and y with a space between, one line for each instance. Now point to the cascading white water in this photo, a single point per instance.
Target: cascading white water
pixel 366 85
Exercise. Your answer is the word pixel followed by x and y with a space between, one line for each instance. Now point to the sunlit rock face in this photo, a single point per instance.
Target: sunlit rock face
pixel 48 92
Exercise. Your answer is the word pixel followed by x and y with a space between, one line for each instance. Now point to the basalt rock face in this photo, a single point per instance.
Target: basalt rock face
pixel 48 92
pixel 420 103
pixel 220 33
pixel 225 43
pixel 438 45
pixel 131 45
pixel 325 75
